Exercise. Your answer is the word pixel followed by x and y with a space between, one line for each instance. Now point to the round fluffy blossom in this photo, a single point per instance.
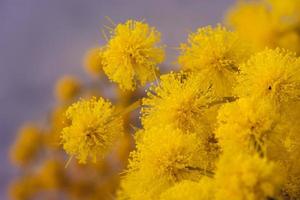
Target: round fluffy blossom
pixel 132 54
pixel 247 178
pixel 246 125
pixel 93 61
pixel 94 127
pixel 190 190
pixel 67 88
pixel 27 145
pixel 164 156
pixel 267 23
pixel 179 101
pixel 216 54
pixel 271 74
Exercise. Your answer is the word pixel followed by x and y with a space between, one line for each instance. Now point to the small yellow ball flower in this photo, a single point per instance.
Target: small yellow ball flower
pixel 164 156
pixel 246 126
pixel 93 61
pixel 93 130
pixel 180 100
pixel 27 145
pixel 216 54
pixel 132 54
pixel 271 74
pixel 67 88
pixel 247 177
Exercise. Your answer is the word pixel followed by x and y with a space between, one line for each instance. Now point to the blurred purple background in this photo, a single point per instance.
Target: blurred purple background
pixel 40 40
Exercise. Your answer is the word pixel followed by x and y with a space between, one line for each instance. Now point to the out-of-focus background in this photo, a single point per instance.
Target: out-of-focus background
pixel 42 40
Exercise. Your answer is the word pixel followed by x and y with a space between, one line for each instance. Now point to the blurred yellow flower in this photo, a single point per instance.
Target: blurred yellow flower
pixel 93 61
pixel 24 188
pixel 27 145
pixel 51 174
pixel 267 23
pixel 67 88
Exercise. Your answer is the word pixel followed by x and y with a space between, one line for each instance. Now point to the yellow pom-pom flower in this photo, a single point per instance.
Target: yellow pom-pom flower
pixel 178 101
pixel 246 125
pixel 27 145
pixel 94 128
pixel 271 74
pixel 164 156
pixel 132 54
pixel 216 54
pixel 190 190
pixel 93 61
pixel 67 88
pixel 248 178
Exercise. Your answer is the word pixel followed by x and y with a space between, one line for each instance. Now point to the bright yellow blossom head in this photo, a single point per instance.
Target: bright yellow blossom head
pixel 216 54
pixel 93 61
pixel 132 54
pixel 164 156
pixel 246 125
pixel 180 100
pixel 247 177
pixel 27 145
pixel 67 88
pixel 93 129
pixel 271 74
pixel 190 190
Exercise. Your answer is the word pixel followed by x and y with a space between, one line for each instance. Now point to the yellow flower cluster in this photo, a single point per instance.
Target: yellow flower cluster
pixel 225 126
pixel 267 110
